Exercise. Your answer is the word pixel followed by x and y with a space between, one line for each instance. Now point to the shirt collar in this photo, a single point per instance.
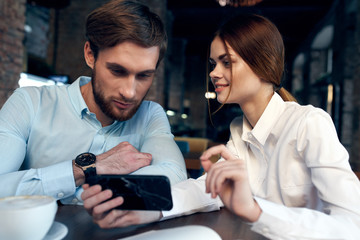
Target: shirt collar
pixel 268 119
pixel 76 96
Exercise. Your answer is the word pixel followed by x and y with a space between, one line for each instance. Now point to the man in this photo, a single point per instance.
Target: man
pixel 53 137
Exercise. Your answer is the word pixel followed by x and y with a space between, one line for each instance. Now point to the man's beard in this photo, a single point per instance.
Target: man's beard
pixel 105 104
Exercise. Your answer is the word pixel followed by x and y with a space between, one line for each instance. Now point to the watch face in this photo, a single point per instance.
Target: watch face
pixel 85 159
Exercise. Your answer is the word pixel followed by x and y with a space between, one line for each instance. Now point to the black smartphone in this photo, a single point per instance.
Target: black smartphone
pixel 140 192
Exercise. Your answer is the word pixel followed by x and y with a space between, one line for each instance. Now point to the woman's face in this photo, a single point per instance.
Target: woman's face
pixel 246 85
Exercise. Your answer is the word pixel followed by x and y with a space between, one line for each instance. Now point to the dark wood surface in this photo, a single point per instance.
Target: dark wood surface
pixel 80 225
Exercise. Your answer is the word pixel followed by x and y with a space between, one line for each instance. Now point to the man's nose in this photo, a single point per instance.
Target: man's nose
pixel 128 89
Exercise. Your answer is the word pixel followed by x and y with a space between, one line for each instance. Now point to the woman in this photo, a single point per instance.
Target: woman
pixel 283 169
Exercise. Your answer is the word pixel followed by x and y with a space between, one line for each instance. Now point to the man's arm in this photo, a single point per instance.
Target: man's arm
pixel 121 159
pixel 158 140
pixel 16 117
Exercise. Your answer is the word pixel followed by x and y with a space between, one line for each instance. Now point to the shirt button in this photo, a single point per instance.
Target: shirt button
pixel 60 195
pixel 74 200
pixel 265 230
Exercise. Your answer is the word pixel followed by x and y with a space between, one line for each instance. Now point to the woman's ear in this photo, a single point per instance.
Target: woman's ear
pixel 89 55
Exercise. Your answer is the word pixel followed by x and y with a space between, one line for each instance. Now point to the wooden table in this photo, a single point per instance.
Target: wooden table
pixel 81 226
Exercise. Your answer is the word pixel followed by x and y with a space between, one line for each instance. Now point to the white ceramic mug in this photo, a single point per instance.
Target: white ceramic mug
pixel 26 217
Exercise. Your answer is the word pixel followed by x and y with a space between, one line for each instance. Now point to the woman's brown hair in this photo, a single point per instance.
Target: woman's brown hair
pixel 260 45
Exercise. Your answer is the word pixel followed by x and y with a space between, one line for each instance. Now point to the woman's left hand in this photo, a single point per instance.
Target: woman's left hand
pixel 229 179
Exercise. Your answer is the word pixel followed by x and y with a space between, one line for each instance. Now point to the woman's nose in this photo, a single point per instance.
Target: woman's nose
pixel 215 73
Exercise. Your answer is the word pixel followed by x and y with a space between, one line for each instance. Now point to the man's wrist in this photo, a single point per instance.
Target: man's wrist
pixel 99 164
pixel 87 163
pixel 79 175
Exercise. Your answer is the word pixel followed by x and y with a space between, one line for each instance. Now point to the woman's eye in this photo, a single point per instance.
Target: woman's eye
pixel 212 65
pixel 226 63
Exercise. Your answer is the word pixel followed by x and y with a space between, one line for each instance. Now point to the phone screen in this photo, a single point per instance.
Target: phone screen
pixel 140 192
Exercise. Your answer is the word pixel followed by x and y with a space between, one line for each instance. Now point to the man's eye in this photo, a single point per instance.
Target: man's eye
pixel 118 72
pixel 144 76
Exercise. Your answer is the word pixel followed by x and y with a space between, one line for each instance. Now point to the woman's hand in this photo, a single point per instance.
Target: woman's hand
pixel 98 205
pixel 229 180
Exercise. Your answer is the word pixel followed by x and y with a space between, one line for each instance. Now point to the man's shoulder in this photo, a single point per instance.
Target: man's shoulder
pixel 42 90
pixel 150 106
pixel 148 111
pixel 37 96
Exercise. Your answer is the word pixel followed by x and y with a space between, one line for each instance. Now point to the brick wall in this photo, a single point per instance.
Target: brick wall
pixel 354 57
pixel 346 62
pixel 12 22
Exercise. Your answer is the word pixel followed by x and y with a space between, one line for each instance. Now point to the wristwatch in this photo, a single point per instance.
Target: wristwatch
pixel 86 161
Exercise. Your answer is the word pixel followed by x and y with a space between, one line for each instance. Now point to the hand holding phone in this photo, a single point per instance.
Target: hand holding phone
pixel 140 192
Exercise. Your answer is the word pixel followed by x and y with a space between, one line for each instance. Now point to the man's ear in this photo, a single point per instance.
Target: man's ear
pixel 89 55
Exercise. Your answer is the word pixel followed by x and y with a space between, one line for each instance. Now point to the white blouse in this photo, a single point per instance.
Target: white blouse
pixel 298 171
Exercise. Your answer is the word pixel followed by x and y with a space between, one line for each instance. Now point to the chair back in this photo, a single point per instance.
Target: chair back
pixel 183 146
pixel 196 144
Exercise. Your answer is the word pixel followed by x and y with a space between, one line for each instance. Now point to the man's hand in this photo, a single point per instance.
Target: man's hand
pixel 122 159
pixel 229 180
pixel 98 205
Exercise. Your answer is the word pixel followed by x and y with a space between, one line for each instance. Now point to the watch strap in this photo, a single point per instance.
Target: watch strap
pixel 89 172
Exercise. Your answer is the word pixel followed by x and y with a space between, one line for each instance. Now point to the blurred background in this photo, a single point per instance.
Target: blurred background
pixel 41 42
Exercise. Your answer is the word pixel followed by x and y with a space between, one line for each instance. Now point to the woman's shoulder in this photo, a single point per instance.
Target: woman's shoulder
pixel 237 121
pixel 302 116
pixel 295 109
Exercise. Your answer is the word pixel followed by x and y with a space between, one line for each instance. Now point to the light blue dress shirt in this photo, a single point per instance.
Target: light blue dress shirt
pixel 42 129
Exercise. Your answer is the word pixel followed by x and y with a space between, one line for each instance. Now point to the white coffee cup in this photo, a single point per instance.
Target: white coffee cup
pixel 26 217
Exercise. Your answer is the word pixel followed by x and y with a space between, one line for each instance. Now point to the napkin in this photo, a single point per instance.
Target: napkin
pixel 191 232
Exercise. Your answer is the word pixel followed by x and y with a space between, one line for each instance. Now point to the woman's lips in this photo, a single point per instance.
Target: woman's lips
pixel 220 87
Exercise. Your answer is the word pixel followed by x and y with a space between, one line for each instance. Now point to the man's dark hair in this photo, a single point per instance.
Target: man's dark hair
pixel 120 20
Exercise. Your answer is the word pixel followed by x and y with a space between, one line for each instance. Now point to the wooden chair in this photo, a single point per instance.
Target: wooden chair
pixel 196 147
pixel 195 144
pixel 183 146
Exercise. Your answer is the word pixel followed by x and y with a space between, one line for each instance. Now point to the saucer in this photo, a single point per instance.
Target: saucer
pixel 57 232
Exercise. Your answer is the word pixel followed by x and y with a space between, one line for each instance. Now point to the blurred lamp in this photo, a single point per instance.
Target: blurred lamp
pixel 184 116
pixel 238 3
pixel 170 113
pixel 210 95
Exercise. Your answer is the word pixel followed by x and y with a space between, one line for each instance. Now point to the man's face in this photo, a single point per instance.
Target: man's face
pixel 122 75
